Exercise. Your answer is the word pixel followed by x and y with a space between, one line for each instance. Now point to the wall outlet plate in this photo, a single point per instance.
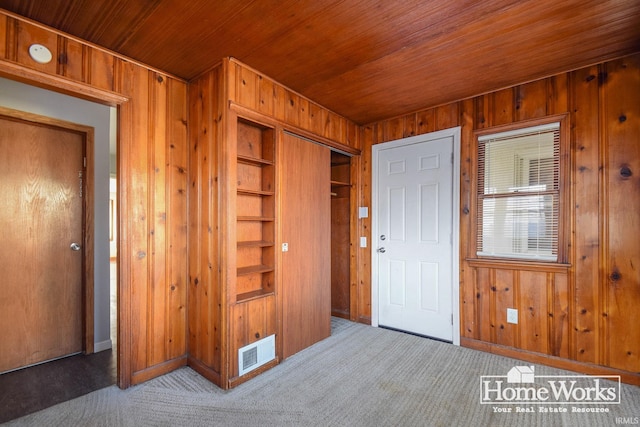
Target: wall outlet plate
pixel 512 316
pixel 285 247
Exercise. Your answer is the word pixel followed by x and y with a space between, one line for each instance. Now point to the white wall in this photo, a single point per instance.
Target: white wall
pixel 22 97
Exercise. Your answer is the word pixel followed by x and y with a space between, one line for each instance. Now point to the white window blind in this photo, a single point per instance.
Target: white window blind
pixel 519 193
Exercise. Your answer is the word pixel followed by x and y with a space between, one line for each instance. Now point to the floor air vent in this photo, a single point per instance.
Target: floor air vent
pixel 256 354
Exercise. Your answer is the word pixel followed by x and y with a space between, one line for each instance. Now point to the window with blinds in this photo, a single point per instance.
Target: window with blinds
pixel 518 194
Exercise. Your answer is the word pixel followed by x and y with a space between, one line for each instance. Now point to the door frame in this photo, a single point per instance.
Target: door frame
pixel 87 214
pixel 453 133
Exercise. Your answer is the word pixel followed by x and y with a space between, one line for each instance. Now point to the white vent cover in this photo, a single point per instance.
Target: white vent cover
pixel 256 354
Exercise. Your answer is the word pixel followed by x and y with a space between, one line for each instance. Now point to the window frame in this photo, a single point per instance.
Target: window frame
pixel 563 190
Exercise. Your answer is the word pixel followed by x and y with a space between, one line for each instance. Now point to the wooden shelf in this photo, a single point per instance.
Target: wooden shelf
pixel 255 269
pixel 255 244
pixel 248 192
pixel 341 162
pixel 340 184
pixel 255 161
pixel 260 293
pixel 256 218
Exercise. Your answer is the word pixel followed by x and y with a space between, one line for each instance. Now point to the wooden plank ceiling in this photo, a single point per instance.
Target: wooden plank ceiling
pixel 365 59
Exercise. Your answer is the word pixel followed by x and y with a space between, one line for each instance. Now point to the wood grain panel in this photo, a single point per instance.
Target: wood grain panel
pixel 447 116
pixel 305 271
pixel 503 289
pixel 100 68
pixel 502 107
pixel 354 227
pixel 467 173
pixel 410 124
pixel 3 36
pixel 73 59
pixel 204 301
pixel 176 146
pixel 621 119
pixel 279 103
pixel 425 122
pixel 394 129
pixel 485 304
pixel 135 195
pixel 304 117
pixel 292 110
pixel 585 310
pixel 469 326
pixel 266 96
pixel 247 87
pixel 533 316
pixel 558 94
pixel 157 304
pixel 368 138
pixel 531 100
pixel 316 118
pixel 558 297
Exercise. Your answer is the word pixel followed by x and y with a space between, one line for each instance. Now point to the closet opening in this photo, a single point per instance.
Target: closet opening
pixel 340 235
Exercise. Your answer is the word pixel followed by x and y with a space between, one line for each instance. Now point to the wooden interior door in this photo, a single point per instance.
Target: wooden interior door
pixel 41 216
pixel 305 219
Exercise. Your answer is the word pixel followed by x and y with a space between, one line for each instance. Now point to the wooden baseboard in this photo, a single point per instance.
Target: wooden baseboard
pixel 343 314
pixel 157 370
pixel 366 320
pixel 246 377
pixel 205 371
pixel 553 361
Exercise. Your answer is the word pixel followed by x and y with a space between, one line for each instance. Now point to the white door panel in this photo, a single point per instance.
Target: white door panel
pixel 414 226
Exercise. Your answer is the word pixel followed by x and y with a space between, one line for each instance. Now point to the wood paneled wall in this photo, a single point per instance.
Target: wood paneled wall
pixel 206 304
pixel 152 184
pixel 582 316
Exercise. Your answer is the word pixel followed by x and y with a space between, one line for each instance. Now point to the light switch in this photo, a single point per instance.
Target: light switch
pixel 363 242
pixel 363 212
pixel 285 247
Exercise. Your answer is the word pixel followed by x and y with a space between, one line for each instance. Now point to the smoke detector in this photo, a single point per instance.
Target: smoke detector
pixel 40 53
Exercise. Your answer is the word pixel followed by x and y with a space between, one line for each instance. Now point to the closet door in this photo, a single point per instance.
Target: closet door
pixel 305 219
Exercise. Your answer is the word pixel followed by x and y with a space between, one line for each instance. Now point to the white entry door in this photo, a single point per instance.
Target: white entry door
pixel 414 236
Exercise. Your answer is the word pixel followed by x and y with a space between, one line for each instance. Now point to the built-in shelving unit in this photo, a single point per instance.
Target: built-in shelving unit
pixel 255 207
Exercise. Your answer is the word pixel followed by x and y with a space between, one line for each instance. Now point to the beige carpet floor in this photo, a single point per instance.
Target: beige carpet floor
pixel 360 376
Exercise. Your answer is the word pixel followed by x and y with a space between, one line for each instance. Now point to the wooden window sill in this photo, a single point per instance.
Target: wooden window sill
pixel 549 267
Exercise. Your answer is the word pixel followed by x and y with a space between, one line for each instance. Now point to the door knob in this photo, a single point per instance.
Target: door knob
pixel 75 247
pixel 381 250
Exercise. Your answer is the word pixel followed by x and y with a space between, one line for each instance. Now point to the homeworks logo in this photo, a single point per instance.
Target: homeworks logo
pixel 522 386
